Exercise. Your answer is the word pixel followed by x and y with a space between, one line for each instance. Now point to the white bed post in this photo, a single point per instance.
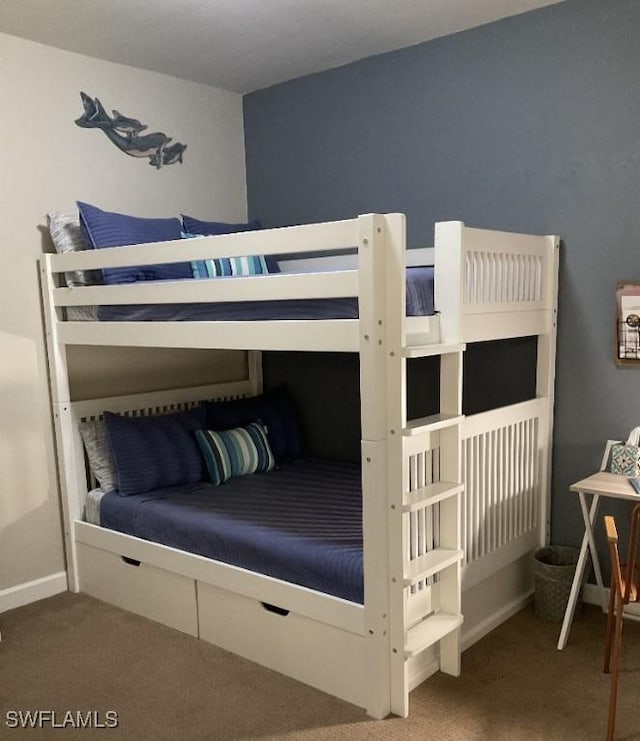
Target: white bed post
pixel 373 413
pixel 545 382
pixel 449 286
pixel 384 667
pixel 65 434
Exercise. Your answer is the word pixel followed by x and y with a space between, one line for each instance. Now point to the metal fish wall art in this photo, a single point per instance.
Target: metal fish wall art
pixel 126 134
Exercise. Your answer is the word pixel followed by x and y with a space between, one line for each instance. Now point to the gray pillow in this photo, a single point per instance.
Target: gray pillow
pixel 96 443
pixel 67 237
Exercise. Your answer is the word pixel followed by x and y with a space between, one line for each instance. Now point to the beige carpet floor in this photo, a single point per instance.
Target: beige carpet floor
pixel 74 653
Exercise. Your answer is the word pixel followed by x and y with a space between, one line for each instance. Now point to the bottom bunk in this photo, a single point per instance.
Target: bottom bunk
pixel 279 579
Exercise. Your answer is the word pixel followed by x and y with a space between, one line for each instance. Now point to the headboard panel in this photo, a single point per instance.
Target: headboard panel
pixel 160 402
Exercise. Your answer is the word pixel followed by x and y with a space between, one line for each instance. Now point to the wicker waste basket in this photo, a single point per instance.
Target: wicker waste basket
pixel 553 570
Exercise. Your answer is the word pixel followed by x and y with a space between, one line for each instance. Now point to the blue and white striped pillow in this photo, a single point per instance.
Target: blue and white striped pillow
pixel 235 452
pixel 222 266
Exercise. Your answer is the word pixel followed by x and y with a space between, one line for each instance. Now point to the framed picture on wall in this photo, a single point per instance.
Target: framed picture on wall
pixel 628 323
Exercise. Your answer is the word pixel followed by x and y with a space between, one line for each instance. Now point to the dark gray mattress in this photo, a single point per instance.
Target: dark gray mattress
pixel 301 523
pixel 419 303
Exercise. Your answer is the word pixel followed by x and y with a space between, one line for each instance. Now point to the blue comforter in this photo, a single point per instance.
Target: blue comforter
pixel 301 523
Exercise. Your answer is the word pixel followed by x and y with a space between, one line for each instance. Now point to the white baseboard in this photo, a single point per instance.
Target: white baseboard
pixel 475 633
pixel 592 594
pixel 32 591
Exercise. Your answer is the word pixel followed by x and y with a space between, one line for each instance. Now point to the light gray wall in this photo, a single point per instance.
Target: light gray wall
pixel 47 163
pixel 528 124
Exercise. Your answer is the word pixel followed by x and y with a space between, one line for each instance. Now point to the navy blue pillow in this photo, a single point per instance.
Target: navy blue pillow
pixel 274 409
pixel 213 228
pixel 108 229
pixel 154 452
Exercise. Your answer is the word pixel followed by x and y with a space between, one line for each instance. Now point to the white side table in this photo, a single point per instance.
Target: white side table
pixel 601 484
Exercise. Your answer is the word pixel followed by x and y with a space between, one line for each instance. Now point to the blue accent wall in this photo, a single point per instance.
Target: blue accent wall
pixel 528 124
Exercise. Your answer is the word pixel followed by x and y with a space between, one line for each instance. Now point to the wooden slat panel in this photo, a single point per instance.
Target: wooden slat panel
pixel 495 278
pixel 499 465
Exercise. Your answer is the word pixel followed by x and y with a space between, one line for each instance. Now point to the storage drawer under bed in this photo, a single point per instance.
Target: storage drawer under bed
pixel 321 655
pixel 154 593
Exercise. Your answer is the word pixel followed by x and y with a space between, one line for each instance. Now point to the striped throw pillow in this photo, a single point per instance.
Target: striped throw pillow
pixel 223 266
pixel 235 452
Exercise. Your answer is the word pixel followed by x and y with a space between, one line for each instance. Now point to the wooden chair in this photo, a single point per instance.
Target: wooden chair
pixel 625 588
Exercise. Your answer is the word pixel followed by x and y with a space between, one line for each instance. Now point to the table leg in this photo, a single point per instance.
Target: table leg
pixel 587 541
pixel 589 519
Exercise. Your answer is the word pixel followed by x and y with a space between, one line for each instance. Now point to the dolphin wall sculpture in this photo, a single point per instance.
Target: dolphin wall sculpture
pixel 124 132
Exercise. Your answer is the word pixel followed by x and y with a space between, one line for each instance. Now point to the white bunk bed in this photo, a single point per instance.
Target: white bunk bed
pixel 487 475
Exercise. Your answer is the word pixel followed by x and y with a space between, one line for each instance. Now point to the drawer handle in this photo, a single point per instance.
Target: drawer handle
pixel 130 561
pixel 275 609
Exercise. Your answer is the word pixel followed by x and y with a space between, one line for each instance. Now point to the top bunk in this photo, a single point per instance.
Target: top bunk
pixel 339 286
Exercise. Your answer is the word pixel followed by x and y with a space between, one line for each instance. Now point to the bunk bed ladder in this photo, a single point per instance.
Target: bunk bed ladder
pixel 432 487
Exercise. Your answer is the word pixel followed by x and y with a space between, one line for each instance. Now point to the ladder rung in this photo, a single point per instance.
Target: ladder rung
pixel 431 494
pixel 432 423
pixel 431 563
pixel 423 351
pixel 431 630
